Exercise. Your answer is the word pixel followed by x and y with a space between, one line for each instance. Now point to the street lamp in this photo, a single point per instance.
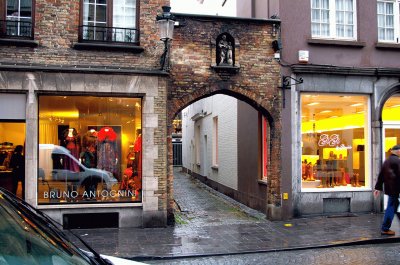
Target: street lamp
pixel 165 23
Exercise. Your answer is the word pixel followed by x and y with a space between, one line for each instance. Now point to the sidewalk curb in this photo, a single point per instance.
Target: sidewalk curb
pixel 387 240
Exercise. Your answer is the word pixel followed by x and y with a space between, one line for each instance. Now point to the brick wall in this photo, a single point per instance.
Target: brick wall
pixel 56 30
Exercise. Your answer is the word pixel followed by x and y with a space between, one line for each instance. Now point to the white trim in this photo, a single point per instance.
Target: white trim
pixel 332 23
pixel 396 21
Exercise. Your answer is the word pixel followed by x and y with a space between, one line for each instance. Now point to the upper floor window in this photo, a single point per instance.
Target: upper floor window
pixel 333 19
pixel 388 20
pixel 16 19
pixel 109 21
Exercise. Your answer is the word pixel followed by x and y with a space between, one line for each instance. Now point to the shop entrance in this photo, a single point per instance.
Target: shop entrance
pixel 12 143
pixel 390 128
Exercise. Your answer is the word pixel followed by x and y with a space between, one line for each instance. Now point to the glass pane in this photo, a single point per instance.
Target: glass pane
pixel 339 17
pixel 325 16
pixel 389 8
pixel 339 5
pixel 101 15
pixel 381 8
pixel 349 18
pixel 389 21
pixel 12 8
pixel 349 31
pixel 89 149
pixel 315 16
pixel 315 29
pixel 349 5
pixel 334 144
pixel 389 34
pixel 381 20
pixel 325 4
pixel 381 34
pixel 340 30
pixel 325 30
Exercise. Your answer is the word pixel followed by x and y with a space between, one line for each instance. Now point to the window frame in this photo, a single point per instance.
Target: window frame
pixel 3 17
pixel 215 158
pixel 396 21
pixel 109 23
pixel 333 24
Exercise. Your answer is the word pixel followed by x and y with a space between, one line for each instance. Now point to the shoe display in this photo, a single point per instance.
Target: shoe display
pixel 388 233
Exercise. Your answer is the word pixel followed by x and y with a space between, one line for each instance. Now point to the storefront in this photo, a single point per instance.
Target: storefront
pixel 342 129
pixel 91 146
pixel 89 149
pixel 335 142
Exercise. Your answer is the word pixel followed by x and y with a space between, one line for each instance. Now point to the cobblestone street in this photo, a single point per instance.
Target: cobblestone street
pixel 199 205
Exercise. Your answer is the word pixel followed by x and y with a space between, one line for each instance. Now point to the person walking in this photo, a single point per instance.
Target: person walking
pixel 389 182
pixel 17 163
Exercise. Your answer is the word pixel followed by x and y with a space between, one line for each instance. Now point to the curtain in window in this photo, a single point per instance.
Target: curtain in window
pixel 48 133
pixel 320 17
pixel 344 18
pixel 385 18
pixel 124 18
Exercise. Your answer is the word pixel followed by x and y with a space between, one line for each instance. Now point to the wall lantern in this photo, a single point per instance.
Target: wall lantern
pixel 166 23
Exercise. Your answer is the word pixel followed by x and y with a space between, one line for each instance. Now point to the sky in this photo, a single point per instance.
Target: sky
pixel 204 7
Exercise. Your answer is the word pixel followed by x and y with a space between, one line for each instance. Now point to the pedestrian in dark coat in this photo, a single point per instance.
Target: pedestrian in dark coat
pixel 17 163
pixel 389 182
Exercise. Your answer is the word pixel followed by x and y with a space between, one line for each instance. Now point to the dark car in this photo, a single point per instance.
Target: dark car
pixel 28 236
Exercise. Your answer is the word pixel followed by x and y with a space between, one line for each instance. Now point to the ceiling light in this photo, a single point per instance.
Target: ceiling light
pixel 312 103
pixel 356 104
pixel 325 111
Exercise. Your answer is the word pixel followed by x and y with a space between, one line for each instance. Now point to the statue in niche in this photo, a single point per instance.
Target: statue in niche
pixel 225 51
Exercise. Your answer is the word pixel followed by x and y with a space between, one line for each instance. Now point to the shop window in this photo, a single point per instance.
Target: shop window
pixel 16 19
pixel 90 149
pixel 109 21
pixel 12 157
pixel 334 142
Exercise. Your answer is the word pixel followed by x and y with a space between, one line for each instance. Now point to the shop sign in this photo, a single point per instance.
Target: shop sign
pixel 57 194
pixel 333 140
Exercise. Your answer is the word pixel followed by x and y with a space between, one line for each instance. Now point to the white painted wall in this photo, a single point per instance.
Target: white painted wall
pixel 225 107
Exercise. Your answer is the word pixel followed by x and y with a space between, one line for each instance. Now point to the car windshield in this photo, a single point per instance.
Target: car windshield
pixel 25 238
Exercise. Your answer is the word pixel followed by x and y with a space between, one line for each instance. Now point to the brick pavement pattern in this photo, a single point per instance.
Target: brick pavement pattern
pixel 212 224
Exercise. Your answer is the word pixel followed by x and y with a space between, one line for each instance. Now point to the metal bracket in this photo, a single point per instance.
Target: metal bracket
pixel 287 85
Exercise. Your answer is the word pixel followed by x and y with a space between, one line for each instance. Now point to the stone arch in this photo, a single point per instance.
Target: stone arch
pixel 391 90
pixel 255 100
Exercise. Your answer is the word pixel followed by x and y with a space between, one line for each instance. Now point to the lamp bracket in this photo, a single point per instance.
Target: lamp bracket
pixel 286 81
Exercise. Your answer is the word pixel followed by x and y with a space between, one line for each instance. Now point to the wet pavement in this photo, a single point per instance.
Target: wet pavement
pixel 208 223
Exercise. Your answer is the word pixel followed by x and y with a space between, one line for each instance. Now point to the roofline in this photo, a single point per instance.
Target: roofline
pixel 214 17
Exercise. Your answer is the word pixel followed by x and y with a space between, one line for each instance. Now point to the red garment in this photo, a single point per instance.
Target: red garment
pixel 138 144
pixel 106 133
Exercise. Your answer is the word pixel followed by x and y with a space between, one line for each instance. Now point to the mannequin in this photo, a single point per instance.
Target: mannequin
pixel 107 153
pixel 71 141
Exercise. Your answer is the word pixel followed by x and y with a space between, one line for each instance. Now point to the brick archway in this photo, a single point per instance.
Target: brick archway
pixel 254 78
pixel 267 107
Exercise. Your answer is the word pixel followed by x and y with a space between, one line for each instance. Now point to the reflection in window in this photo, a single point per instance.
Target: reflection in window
pixel 18 18
pixel 89 149
pixel 334 141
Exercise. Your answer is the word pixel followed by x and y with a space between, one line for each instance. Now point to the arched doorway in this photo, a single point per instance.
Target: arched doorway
pixel 390 124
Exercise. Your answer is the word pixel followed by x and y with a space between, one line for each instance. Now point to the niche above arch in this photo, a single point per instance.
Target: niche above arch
pixel 225 51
